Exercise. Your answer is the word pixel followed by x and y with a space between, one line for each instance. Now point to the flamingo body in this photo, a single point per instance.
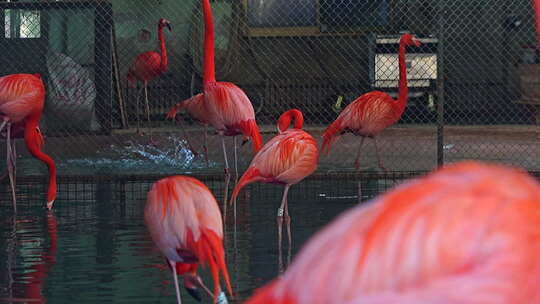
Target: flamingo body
pixel 146 67
pixel 286 159
pixel 366 116
pixel 465 234
pixel 22 98
pixel 184 222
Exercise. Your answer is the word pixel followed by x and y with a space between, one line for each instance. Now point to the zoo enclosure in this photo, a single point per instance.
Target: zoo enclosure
pixel 478 98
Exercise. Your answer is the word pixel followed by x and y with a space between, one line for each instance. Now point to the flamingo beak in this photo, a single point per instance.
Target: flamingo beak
pixel 416 42
pixel 245 141
pixel 50 205
pixel 169 27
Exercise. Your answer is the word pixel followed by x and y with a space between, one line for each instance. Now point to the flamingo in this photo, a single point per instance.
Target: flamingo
pixel 467 233
pixel 22 99
pixel 286 159
pixel 226 107
pixel 536 7
pixel 372 112
pixel 185 223
pixel 148 66
pixel 194 106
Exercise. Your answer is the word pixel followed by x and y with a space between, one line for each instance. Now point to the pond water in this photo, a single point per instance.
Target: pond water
pixel 98 250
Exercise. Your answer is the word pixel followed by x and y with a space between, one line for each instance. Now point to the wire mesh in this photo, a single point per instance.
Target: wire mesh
pixel 475 74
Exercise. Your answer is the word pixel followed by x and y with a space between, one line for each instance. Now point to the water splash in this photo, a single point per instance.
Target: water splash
pixel 169 155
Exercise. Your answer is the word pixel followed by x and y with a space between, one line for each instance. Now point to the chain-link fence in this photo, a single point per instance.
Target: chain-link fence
pixel 473 83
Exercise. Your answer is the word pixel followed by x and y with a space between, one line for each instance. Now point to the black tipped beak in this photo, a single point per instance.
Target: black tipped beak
pixel 194 293
pixel 169 27
pixel 245 141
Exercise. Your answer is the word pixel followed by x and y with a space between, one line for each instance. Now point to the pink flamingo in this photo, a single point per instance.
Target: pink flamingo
pixel 184 222
pixel 372 112
pixel 148 66
pixel 226 107
pixel 467 233
pixel 22 98
pixel 536 7
pixel 286 159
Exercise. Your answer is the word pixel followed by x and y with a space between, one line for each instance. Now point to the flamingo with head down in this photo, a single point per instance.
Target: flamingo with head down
pixel 22 98
pixel 184 221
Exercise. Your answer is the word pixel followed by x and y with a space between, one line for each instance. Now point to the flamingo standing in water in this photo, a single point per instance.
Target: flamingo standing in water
pixel 148 66
pixel 22 98
pixel 185 223
pixel 372 112
pixel 467 233
pixel 226 107
pixel 286 159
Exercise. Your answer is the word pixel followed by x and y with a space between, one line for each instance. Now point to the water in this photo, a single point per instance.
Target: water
pixel 98 251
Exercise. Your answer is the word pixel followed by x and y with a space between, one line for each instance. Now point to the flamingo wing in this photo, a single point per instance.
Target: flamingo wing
pixel 147 66
pixel 368 115
pixel 287 158
pixel 465 234
pixel 20 95
pixel 229 110
pixel 194 106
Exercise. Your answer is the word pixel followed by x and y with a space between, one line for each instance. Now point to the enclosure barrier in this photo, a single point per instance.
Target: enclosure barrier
pixel 473 82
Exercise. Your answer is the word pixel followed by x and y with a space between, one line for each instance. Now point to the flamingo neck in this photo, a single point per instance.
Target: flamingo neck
pixel 285 120
pixel 34 143
pixel 163 50
pixel 403 89
pixel 209 75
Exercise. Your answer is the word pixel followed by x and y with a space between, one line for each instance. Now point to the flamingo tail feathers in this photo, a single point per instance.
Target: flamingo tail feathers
pixel 212 251
pixel 249 128
pixel 330 135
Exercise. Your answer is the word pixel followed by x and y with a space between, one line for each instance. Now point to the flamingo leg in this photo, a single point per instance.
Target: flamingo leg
pixel 173 268
pixel 10 167
pixel 235 159
pixel 225 154
pixel 205 145
pixel 137 105
pixel 146 101
pixel 357 161
pixel 280 214
pixel 378 157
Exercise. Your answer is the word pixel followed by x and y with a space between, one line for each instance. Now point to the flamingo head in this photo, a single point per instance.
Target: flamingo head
pixel 164 23
pixel 410 40
pixel 192 282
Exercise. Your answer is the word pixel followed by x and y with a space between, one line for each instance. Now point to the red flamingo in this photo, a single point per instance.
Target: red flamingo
pixel 22 98
pixel 185 223
pixel 467 233
pixel 148 66
pixel 286 159
pixel 226 107
pixel 372 112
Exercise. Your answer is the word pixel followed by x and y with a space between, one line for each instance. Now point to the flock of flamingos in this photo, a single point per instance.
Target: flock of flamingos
pixel 467 233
